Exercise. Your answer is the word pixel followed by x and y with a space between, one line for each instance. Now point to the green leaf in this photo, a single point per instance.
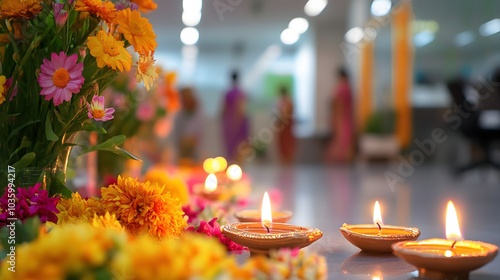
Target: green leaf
pixel 57 186
pixel 26 160
pixel 15 131
pixel 24 144
pixel 93 127
pixel 111 145
pixel 49 133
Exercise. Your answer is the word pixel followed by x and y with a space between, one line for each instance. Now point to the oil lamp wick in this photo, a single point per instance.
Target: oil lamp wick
pixel 453 245
pixel 379 227
pixel 267 228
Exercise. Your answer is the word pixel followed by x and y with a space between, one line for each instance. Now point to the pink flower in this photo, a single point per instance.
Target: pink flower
pixel 60 14
pixel 212 229
pixel 97 110
pixel 7 85
pixel 30 202
pixel 146 111
pixel 60 77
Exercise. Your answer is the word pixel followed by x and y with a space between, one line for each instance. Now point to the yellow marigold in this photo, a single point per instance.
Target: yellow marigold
pixel 107 221
pixel 108 51
pixel 144 208
pixel 146 5
pixel 146 71
pixel 137 30
pixel 20 9
pixel 104 10
pixel 192 256
pixel 176 186
pixel 2 88
pixel 65 250
pixel 76 209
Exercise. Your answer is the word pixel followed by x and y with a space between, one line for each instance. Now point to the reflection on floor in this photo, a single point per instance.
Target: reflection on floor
pixel 328 196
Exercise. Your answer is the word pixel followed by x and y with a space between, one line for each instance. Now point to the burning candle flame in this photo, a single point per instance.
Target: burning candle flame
pixel 452 226
pixel 377 216
pixel 210 183
pixel 266 216
pixel 234 172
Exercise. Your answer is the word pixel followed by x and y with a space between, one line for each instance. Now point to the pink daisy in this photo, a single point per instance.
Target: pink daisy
pixel 60 77
pixel 97 110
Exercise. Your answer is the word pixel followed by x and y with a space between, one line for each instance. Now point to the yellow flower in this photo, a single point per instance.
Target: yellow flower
pixel 176 186
pixel 144 208
pixel 191 257
pixel 76 209
pixel 146 71
pixel 103 10
pixel 108 51
pixel 2 88
pixel 146 5
pixel 137 30
pixel 66 250
pixel 107 221
pixel 20 9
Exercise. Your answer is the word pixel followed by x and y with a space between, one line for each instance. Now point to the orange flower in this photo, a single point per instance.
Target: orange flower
pixel 108 51
pixel 137 30
pixel 76 209
pixel 20 9
pixel 146 5
pixel 104 10
pixel 144 208
pixel 146 71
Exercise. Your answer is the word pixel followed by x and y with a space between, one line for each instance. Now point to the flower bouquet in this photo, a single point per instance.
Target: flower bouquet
pixel 56 58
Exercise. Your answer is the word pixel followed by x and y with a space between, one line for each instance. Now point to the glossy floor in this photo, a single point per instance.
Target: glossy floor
pixel 328 196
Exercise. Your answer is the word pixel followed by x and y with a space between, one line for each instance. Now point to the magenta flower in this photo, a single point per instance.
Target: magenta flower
pixel 97 110
pixel 29 202
pixel 212 229
pixel 60 77
pixel 60 14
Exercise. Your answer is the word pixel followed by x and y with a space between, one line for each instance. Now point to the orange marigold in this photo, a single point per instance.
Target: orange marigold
pixel 103 10
pixel 144 208
pixel 146 5
pixel 137 30
pixel 175 186
pixel 20 9
pixel 76 209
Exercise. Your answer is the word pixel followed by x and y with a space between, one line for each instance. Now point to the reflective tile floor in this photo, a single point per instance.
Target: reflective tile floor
pixel 328 196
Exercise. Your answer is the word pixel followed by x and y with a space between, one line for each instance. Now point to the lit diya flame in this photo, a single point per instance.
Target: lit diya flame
pixel 210 183
pixel 266 216
pixel 452 226
pixel 377 216
pixel 234 172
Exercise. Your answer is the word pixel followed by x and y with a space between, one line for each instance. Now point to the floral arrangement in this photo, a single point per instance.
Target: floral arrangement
pixel 57 56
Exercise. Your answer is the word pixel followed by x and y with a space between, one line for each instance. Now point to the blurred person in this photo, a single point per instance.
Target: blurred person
pixel 341 147
pixel 188 127
pixel 286 139
pixel 235 124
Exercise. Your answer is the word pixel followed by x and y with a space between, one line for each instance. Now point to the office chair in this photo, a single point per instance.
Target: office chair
pixel 482 124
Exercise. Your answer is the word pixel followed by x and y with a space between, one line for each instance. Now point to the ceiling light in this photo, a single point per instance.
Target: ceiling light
pixel 189 36
pixel 299 25
pixel 315 7
pixel 354 35
pixel 490 28
pixel 289 37
pixel 423 38
pixel 192 5
pixel 191 18
pixel 463 38
pixel 380 8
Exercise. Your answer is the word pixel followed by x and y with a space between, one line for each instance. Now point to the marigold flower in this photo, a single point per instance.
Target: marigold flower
pixel 3 90
pixel 16 9
pixel 107 221
pixel 60 77
pixel 97 111
pixel 146 5
pixel 175 186
pixel 137 30
pixel 76 209
pixel 146 71
pixel 144 208
pixel 108 51
pixel 105 10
